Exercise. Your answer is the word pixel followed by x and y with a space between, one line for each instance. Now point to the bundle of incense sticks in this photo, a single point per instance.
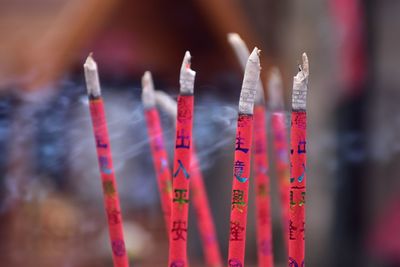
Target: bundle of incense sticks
pixel 199 195
pixel 160 156
pixel 264 227
pixel 111 198
pixel 186 165
pixel 181 173
pixel 298 163
pixel 241 171
pixel 280 145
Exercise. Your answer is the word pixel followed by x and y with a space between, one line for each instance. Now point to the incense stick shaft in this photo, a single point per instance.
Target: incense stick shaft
pixel 111 198
pixel 160 161
pixel 181 176
pixel 240 188
pixel 262 189
pixel 241 171
pixel 281 152
pixel 297 188
pixel 204 217
pixel 298 165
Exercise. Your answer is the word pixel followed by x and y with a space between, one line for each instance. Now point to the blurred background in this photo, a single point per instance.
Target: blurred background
pixel 51 208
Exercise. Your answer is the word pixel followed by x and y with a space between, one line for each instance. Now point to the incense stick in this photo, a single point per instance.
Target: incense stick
pixel 263 200
pixel 204 217
pixel 243 53
pixel 181 173
pixel 159 154
pixel 199 195
pixel 111 198
pixel 166 103
pixel 280 145
pixel 298 163
pixel 275 90
pixel 241 171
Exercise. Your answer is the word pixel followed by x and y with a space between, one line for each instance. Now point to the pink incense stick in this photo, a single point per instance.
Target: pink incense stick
pixel 263 200
pixel 199 196
pixel 111 198
pixel 280 145
pixel 204 217
pixel 298 170
pixel 181 173
pixel 240 184
pixel 160 156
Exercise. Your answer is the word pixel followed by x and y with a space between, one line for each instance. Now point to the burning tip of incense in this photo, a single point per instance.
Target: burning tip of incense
pixel 303 68
pixel 187 75
pixel 186 60
pixel 300 85
pixel 239 47
pixel 305 64
pixel 275 89
pixel 92 76
pixel 255 56
pixel 148 95
pixel 166 103
pixel 90 63
pixel 234 37
pixel 250 83
pixel 303 73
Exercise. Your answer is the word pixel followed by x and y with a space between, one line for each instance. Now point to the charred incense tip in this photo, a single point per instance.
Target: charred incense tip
pixel 148 95
pixel 300 86
pixel 242 53
pixel 92 77
pixel 275 89
pixel 166 103
pixel 250 81
pixel 240 48
pixel 186 79
pixel 305 64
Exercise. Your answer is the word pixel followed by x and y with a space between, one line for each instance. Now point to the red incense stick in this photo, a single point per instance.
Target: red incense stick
pixel 280 146
pixel 181 173
pixel 263 219
pixel 199 196
pixel 282 166
pixel 111 198
pixel 263 200
pixel 298 167
pixel 160 156
pixel 204 217
pixel 240 184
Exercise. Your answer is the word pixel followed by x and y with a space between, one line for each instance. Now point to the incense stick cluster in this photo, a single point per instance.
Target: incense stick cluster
pixel 184 184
